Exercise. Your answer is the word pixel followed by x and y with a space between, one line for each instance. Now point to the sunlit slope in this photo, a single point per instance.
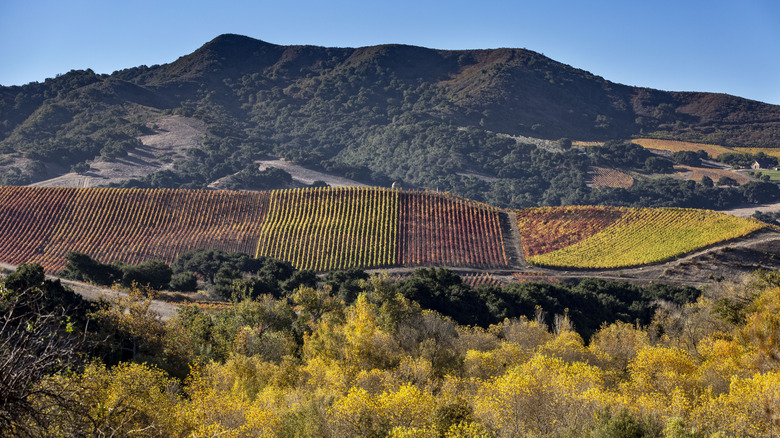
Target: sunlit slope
pixel 676 146
pixel 319 229
pixel 327 229
pixel 42 225
pixel 445 230
pixel 611 237
pixel 330 229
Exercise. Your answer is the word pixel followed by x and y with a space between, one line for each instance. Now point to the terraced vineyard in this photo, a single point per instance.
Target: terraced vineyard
pixel 320 229
pixel 612 237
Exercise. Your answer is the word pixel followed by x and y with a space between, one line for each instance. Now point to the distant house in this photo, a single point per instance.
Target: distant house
pixel 760 164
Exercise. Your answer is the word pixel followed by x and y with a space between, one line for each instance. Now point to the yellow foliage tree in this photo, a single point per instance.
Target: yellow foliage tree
pixel 543 397
pixel 662 382
pixel 354 414
pixel 487 364
pixel 128 399
pixel 233 399
pixel 568 346
pixel 751 407
pixel 762 328
pixel 615 345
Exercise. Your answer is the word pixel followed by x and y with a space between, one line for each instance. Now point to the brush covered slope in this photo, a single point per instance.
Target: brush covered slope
pixel 614 237
pixel 319 229
pixel 484 124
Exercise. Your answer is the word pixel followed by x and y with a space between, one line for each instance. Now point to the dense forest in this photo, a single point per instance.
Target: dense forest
pixel 351 354
pixel 469 122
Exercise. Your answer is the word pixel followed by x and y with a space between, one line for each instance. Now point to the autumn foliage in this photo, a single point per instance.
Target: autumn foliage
pixel 615 237
pixel 42 225
pixel 383 367
pixel 329 229
pixel 448 230
pixel 319 229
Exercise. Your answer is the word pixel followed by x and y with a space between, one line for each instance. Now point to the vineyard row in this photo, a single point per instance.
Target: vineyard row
pixel 319 229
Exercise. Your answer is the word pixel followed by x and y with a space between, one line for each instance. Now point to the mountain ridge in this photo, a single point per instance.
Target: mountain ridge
pixel 378 114
pixel 482 80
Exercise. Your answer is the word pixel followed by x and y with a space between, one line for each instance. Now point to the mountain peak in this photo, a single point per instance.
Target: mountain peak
pixel 231 40
pixel 225 52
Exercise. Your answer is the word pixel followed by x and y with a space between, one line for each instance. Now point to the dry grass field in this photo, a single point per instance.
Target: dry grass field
pixel 772 152
pixel 675 146
pixel 697 173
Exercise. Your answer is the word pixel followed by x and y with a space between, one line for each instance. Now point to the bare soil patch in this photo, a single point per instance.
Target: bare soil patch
pixel 173 136
pixel 748 211
pixel 512 240
pixel 165 309
pixel 697 173
pixel 308 176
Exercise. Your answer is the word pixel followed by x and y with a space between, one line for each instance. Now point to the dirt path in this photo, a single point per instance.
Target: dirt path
pixel 308 176
pixel 164 309
pixel 513 245
pixel 90 292
pixel 748 211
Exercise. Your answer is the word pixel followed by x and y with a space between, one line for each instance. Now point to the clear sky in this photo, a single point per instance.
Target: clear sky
pixel 682 45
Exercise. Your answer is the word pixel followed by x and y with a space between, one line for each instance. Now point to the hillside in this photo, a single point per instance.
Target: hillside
pixel 320 229
pixel 424 118
pixel 370 228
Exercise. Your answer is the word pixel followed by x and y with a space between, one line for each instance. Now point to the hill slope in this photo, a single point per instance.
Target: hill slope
pixel 428 118
pixel 320 229
pixel 332 229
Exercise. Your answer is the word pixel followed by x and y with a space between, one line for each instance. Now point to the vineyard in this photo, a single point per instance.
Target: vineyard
pixel 772 152
pixel 604 177
pixel 697 173
pixel 676 146
pixel 318 229
pixel 475 280
pixel 450 231
pixel 41 225
pixel 328 229
pixel 611 237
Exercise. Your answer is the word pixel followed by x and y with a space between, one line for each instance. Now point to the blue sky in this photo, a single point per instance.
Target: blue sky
pixel 684 45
